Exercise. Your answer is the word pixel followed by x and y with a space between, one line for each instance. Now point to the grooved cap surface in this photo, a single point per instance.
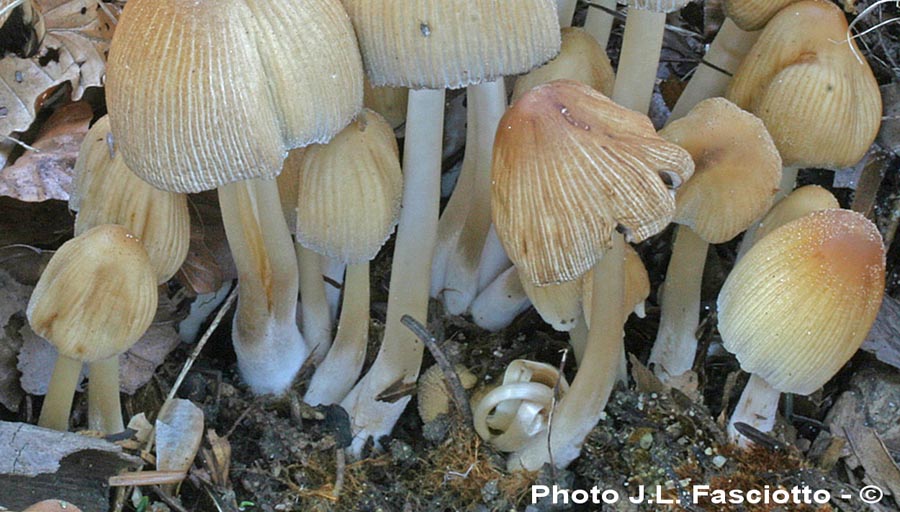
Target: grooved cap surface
pixel 799 304
pixel 798 203
pixel 437 44
pixel 206 92
pixel 753 14
pixel 821 105
pixel 569 167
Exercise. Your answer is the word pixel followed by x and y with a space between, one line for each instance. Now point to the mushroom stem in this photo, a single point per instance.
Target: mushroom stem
pixel 316 317
pixel 725 53
pixel 500 302
pixel 565 9
pixel 578 338
pixel 268 344
pixel 486 105
pixel 333 271
pixel 58 402
pixel 400 356
pixel 104 407
pixel 676 344
pixel 493 260
pixel 598 22
pixel 639 59
pixel 337 374
pixel 757 407
pixel 579 410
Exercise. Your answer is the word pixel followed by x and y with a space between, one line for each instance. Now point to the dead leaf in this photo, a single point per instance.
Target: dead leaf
pixel 209 263
pixel 179 431
pixel 36 360
pixel 13 300
pixel 881 470
pixel 217 459
pixel 48 172
pixel 74 50
pixel 883 339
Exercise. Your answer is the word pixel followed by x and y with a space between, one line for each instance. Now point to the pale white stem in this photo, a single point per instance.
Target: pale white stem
pixel 565 9
pixel 486 105
pixel 316 317
pixel 267 342
pixel 676 344
pixel 639 59
pixel 788 181
pixel 400 356
pixel 58 402
pixel 493 260
pixel 757 407
pixel 725 53
pixel 104 405
pixel 580 409
pixel 599 22
pixel 501 302
pixel 578 338
pixel 337 374
pixel 333 269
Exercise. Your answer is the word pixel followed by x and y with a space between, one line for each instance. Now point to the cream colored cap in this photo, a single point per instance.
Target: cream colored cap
pixel 819 100
pixel 736 169
pixel 349 190
pixel 107 192
pixel 97 295
pixel 570 167
pixel 581 58
pixel 437 44
pixel 390 102
pixel 558 304
pixel 800 303
pixel 207 92
pixel 753 15
pixel 798 203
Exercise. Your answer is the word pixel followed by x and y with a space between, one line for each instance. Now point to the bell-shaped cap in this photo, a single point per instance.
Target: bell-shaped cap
pixel 736 169
pixel 209 92
pixel 799 304
pixel 107 192
pixel 349 190
pixel 581 58
pixel 437 44
pixel 813 90
pixel 800 202
pixel 571 167
pixel 97 295
pixel 753 15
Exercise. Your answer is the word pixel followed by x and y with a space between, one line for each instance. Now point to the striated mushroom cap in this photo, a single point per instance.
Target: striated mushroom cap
pixel 753 15
pixel 107 192
pixel 581 58
pixel 207 92
pixel 819 100
pixel 570 167
pixel 349 190
pixel 798 203
pixel 437 44
pixel 736 169
pixel 800 303
pixel 97 295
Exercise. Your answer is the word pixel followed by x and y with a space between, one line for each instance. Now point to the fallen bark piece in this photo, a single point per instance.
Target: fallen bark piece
pixel 37 464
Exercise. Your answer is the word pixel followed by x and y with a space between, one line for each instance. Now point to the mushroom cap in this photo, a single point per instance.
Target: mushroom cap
pixel 437 44
pixel 52 506
pixel 202 93
pixel 97 295
pixel 819 100
pixel 798 203
pixel 390 102
pixel 107 192
pixel 736 169
pixel 570 167
pixel 349 190
pixel 581 58
pixel 753 15
pixel 558 304
pixel 799 304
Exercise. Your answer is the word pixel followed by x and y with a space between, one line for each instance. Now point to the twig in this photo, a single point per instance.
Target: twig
pixel 553 403
pixel 340 464
pixel 758 437
pixel 168 499
pixel 20 143
pixel 457 391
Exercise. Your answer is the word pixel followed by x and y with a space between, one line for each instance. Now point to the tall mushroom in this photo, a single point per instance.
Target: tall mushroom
pixel 185 122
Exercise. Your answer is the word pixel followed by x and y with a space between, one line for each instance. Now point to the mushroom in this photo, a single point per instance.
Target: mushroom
pixel 182 119
pixel 798 306
pixel 798 203
pixel 96 297
pixel 737 169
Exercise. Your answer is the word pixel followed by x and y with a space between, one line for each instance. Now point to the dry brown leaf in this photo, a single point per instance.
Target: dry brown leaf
pixel 73 50
pixel 13 299
pixel 48 172
pixel 208 264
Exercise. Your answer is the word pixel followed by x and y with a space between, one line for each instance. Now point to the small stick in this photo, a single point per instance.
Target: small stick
pixel 340 466
pixel 759 438
pixel 553 402
pixel 457 391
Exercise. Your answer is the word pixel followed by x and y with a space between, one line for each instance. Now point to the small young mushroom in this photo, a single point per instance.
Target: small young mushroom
pixel 96 297
pixel 798 203
pixel 798 306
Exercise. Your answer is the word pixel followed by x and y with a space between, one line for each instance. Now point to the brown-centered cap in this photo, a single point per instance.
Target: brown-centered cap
pixel 637 286
pixel 437 44
pixel 581 58
pixel 736 169
pixel 205 93
pixel 107 192
pixel 571 167
pixel 97 295
pixel 798 203
pixel 349 190
pixel 800 303
pixel 813 90
pixel 753 15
